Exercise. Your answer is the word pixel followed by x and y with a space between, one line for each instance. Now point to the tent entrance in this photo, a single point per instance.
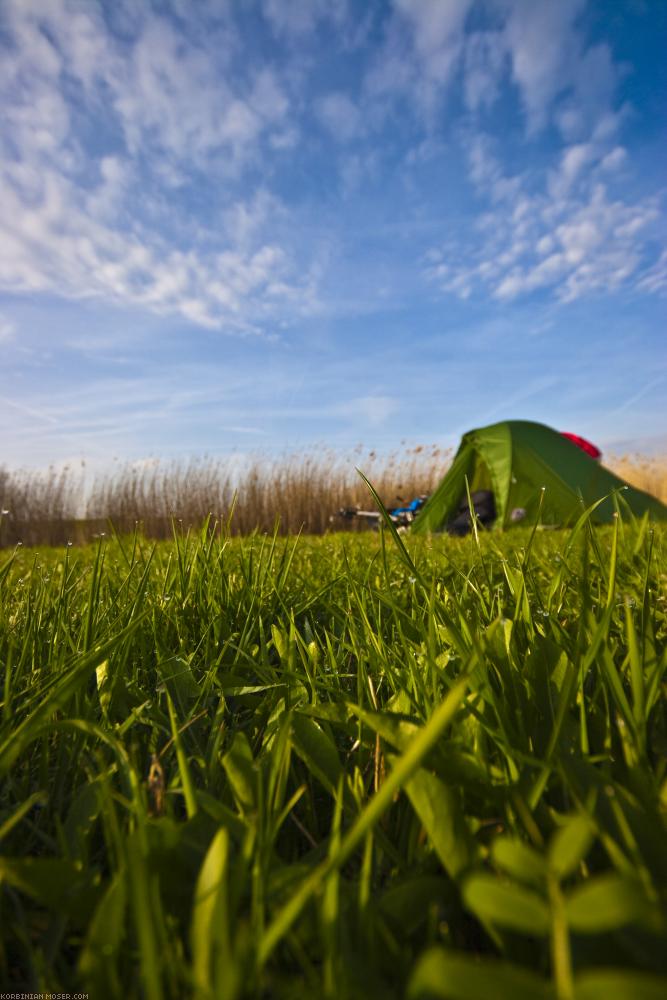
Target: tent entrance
pixel 482 499
pixel 481 479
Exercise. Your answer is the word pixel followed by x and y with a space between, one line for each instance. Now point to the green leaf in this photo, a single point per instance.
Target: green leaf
pixel 148 916
pixel 83 812
pixel 209 929
pixel 57 695
pixel 240 767
pixel 104 687
pixel 8 824
pixel 619 984
pixel 183 762
pixel 406 904
pixel 223 815
pixel 60 885
pixel 440 973
pixel 440 812
pixel 401 773
pixel 505 904
pixel 396 731
pixel 327 711
pixel 103 940
pixel 179 681
pixel 281 642
pixel 606 903
pixel 317 751
pixel 570 845
pixel 519 860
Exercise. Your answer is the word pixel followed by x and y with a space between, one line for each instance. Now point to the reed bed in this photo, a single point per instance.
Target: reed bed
pixel 299 492
pixel 648 474
pixel 39 508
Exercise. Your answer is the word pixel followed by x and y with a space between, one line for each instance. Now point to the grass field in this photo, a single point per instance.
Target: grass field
pixel 336 766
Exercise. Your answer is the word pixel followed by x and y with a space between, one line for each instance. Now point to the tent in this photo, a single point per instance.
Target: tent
pixel 514 460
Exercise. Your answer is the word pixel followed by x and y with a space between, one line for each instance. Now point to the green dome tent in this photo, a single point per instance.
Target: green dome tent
pixel 515 459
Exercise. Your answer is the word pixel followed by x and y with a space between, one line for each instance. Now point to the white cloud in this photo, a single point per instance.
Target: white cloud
pixel 423 45
pixel 298 19
pixel 485 54
pixel 434 25
pixel 374 410
pixel 580 162
pixel 175 115
pixel 105 200
pixel 247 218
pixel 51 242
pixel 571 237
pixel 7 330
pixel 340 115
pixel 169 91
pixel 545 244
pixel 540 46
pixel 543 47
pixel 555 73
pixel 485 169
pixel 356 169
pixel 573 161
pixel 655 279
pixel 173 97
pixel 615 159
pixel 162 105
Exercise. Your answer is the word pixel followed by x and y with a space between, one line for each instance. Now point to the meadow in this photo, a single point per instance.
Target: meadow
pixel 353 766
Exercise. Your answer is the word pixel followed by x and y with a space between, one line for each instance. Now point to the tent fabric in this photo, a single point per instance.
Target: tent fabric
pixel 517 459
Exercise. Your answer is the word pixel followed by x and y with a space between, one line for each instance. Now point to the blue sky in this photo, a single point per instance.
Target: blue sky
pixel 266 225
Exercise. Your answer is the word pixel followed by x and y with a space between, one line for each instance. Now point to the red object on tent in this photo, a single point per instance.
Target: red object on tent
pixel 582 443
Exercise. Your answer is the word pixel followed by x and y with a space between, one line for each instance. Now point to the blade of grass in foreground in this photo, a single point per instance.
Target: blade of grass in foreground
pixel 404 769
pixel 405 555
pixel 440 973
pixel 58 695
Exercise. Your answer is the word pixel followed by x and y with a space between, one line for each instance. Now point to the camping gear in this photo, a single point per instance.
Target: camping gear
pixel 401 516
pixel 483 508
pixel 518 461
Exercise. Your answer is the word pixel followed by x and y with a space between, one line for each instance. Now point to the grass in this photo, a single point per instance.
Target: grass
pixel 301 491
pixel 350 766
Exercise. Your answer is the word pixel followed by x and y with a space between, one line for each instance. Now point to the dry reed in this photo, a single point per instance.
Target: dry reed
pixel 39 508
pixel 297 491
pixel 648 474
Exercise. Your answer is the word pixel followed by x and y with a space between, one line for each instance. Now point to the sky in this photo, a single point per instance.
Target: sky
pixel 234 226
